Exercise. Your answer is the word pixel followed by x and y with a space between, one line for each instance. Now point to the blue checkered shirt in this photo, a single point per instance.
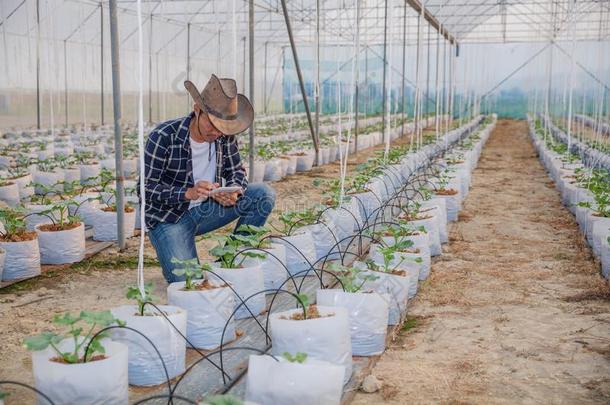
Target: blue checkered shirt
pixel 169 169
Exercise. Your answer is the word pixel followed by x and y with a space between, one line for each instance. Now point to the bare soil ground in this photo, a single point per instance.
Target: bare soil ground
pixel 100 283
pixel 515 310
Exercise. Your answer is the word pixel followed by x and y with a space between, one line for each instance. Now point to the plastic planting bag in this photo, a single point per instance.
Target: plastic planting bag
pixel 273 170
pixel 280 382
pixel 300 252
pixel 95 382
pixel 61 247
pixel 402 261
pixel 208 312
pixel 394 288
pixel 605 258
pixel 325 239
pixel 105 225
pixel 442 216
pixel 305 162
pixel 453 205
pixel 22 259
pixel 600 232
pixel 10 194
pixel 420 241
pixel 368 204
pixel 246 281
pixel 87 208
pixel 274 272
pixel 432 228
pixel 326 338
pixel 342 222
pixel 145 366
pixel 368 318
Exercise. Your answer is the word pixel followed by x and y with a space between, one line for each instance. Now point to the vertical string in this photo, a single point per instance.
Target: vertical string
pixel 141 150
pixel 389 83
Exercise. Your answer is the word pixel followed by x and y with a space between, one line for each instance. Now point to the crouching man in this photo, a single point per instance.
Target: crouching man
pixel 187 158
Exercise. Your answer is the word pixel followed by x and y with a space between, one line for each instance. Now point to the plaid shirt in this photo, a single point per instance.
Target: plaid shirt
pixel 169 169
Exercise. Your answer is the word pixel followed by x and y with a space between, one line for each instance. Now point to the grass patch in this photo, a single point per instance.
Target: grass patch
pixel 117 263
pixel 409 324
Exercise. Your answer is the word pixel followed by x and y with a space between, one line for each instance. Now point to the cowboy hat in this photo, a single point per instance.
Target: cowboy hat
pixel 229 112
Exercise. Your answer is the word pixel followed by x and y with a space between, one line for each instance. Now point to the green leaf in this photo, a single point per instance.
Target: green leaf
pixel 42 341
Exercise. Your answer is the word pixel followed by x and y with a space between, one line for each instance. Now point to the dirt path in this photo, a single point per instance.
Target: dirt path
pixel 514 311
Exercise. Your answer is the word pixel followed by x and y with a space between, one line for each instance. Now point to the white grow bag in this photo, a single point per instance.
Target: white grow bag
pixel 420 241
pixel 49 179
pixel 368 318
pixel 105 225
pixel 22 259
pixel 208 312
pixel 394 288
pixel 280 382
pixel 145 367
pixel 402 261
pixel 96 382
pixel 300 252
pixel 274 271
pixel 441 212
pixel 326 338
pixel 62 247
pixel 600 232
pixel 246 281
pixel 25 189
pixel 453 205
pixel 432 228
pixel 325 238
pixel 10 194
pixel 2 260
pixel 88 206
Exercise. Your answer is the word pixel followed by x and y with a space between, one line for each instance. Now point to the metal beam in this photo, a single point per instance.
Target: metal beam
pixel 295 56
pixel 417 6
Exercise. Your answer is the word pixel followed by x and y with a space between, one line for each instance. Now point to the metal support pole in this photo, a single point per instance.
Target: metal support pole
pixel 316 141
pixel 265 81
pixel 243 71
pixel 150 73
pixel 251 68
pixel 102 61
pixel 316 93
pixel 428 74
pixel 188 61
pixel 38 64
pixel 417 111
pixel 404 64
pixel 66 81
pixel 357 78
pixel 118 139
pixel 436 88
pixel 366 80
pixel 385 49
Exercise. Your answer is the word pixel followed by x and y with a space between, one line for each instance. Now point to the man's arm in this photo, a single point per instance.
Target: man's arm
pixel 233 171
pixel 155 158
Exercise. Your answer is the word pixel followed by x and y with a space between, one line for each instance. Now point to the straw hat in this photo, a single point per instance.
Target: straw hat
pixel 229 112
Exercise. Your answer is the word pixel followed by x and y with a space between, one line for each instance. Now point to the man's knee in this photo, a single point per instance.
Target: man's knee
pixel 261 197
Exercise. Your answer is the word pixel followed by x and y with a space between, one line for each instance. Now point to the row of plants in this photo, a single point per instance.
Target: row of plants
pixel 144 343
pixel 584 185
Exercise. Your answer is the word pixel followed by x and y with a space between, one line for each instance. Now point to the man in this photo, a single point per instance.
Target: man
pixel 187 158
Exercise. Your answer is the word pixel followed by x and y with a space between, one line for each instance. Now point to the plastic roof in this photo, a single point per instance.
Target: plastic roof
pixel 211 21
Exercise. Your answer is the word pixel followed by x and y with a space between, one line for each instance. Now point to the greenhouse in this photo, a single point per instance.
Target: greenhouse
pixel 304 201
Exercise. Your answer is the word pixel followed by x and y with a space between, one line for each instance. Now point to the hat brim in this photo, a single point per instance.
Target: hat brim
pixel 245 117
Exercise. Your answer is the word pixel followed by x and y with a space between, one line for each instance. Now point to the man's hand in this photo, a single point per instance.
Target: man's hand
pixel 200 190
pixel 227 199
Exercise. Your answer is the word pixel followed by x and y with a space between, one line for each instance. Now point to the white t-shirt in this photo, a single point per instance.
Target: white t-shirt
pixel 204 164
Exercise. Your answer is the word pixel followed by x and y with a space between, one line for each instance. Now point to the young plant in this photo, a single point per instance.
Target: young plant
pixel 14 223
pixel 299 357
pixel 352 278
pixel 76 325
pixel 255 236
pixel 59 213
pixel 191 270
pixel 229 250
pixel 133 293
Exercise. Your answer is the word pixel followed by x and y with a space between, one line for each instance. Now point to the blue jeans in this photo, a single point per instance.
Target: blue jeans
pixel 178 239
